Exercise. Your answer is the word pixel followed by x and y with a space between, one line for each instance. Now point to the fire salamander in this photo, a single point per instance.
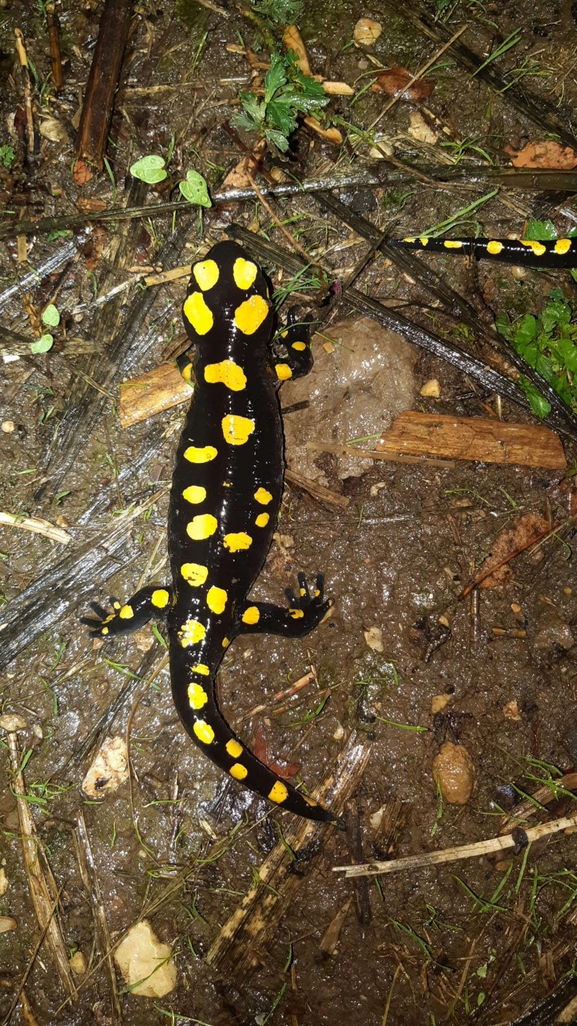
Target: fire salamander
pixel 525 252
pixel 224 503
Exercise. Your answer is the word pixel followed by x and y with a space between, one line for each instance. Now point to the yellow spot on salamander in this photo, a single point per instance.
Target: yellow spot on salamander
pixel 236 429
pixel 296 613
pixel 160 598
pixel 197 696
pixel 278 792
pixel 206 274
pixel 263 496
pixel 228 373
pixel 234 748
pixel 191 633
pixel 197 313
pixel 453 244
pixel 200 454
pixel 562 246
pixel 104 631
pixel 424 240
pixel 302 592
pixel 283 371
pixel 194 494
pixel 126 613
pixel 262 520
pixel 216 599
pixel 251 615
pixel 201 526
pixel 186 372
pixel 494 247
pixel 238 772
pixel 201 668
pixel 194 574
pixel 249 316
pixel 244 273
pixel 237 542
pixel 225 642
pixel 203 731
pixel 299 346
pixel 538 248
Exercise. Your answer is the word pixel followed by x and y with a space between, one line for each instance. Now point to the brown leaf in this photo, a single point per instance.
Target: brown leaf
pixel 82 173
pixel 543 154
pixel 525 531
pixel 395 81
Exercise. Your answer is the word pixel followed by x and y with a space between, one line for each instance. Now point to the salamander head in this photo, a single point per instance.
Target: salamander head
pixel 227 298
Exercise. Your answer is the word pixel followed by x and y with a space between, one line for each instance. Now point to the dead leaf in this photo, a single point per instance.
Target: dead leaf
pixel 525 531
pixel 395 81
pixel 292 39
pixel 82 173
pixel 330 134
pixel 53 130
pixel 543 154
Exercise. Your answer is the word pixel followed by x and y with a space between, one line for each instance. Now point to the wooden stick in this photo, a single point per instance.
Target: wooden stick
pixel 103 81
pixel 37 526
pixel 474 438
pixel 464 851
pixel 54 41
pixel 372 454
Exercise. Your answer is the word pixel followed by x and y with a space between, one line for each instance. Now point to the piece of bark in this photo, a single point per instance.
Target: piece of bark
pixel 474 438
pixel 154 392
pixel 103 81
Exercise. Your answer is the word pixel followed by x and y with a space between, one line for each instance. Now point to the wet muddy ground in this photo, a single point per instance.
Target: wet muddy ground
pixel 402 665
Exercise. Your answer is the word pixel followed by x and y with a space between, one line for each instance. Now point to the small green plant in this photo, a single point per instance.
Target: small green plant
pixel 287 93
pixel 152 170
pixel 7 156
pixel 548 342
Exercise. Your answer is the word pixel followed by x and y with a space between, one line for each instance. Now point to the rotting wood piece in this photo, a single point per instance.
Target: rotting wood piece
pixel 154 392
pixel 251 926
pixel 103 81
pixel 474 438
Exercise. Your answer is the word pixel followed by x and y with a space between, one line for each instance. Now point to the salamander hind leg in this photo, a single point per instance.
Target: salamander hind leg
pixel 305 611
pixel 146 604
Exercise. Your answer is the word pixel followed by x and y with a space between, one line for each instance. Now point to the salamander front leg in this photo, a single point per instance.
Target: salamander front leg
pixel 297 359
pixel 304 612
pixel 148 603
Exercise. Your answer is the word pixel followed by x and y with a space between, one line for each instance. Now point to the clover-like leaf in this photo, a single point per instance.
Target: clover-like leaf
pixel 51 316
pixel 195 189
pixel 149 169
pixel 43 344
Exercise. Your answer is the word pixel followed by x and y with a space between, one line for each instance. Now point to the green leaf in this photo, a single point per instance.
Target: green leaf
pixel 195 189
pixel 275 77
pixel 42 345
pixel 51 316
pixel 149 169
pixel 540 231
pixel 526 331
pixel 538 404
pixel 279 140
pixel 280 116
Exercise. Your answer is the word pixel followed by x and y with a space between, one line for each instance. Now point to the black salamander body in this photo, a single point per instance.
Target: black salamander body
pixel 560 253
pixel 224 503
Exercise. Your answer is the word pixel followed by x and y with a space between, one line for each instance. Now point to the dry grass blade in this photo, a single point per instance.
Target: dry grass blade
pixel 463 851
pixel 89 876
pixel 43 890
